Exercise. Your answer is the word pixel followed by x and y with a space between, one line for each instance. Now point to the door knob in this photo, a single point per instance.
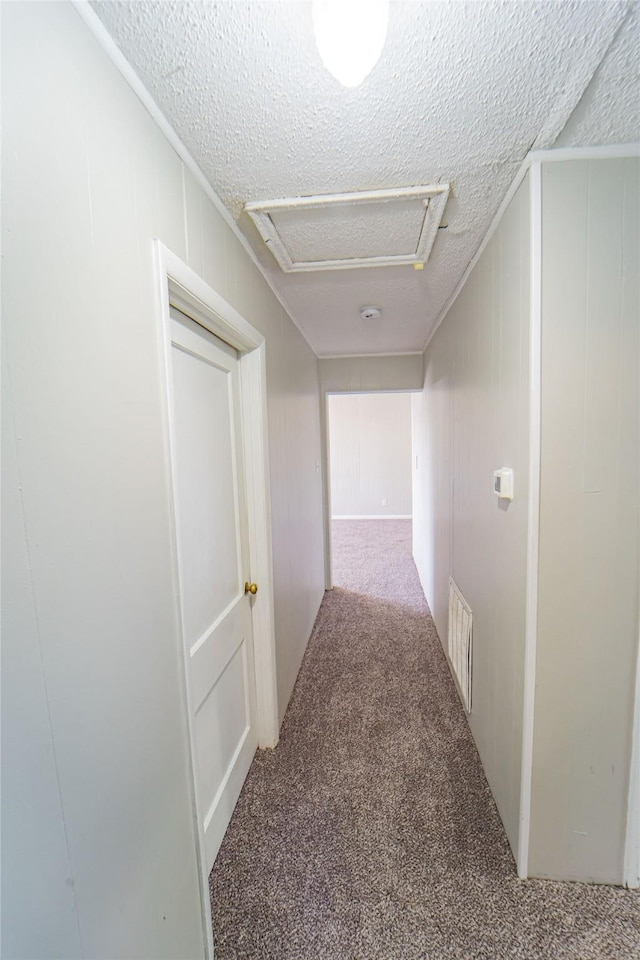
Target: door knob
pixel 251 587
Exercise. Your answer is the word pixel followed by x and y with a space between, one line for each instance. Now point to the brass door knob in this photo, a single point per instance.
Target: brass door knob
pixel 251 587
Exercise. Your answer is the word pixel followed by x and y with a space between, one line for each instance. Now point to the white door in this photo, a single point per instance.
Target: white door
pixel 212 557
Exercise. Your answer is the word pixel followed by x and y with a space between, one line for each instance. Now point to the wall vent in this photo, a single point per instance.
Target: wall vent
pixel 460 642
pixel 342 231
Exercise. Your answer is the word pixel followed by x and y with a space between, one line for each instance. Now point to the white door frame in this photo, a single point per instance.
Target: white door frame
pixel 326 460
pixel 632 846
pixel 180 287
pixel 325 436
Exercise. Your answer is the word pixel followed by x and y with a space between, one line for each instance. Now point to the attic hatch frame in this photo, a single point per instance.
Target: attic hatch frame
pixel 433 196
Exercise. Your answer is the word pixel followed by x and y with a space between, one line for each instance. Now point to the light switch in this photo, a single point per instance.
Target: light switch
pixel 503 483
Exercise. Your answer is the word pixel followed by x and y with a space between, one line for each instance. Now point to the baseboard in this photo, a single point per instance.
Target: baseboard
pixel 372 516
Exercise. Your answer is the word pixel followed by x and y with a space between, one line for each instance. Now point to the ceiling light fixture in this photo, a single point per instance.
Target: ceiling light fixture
pixel 350 35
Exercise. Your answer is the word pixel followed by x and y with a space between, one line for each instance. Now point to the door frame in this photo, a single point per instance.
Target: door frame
pixel 632 845
pixel 180 287
pixel 325 435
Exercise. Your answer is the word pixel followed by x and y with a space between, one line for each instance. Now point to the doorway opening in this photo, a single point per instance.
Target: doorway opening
pixel 370 456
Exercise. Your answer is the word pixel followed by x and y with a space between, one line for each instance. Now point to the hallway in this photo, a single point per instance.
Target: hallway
pixel 370 833
pixel 458 231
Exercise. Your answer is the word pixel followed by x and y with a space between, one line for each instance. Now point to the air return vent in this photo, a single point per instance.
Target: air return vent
pixel 460 642
pixel 342 231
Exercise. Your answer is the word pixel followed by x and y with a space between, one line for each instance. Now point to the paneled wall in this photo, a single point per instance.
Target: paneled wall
pixel 370 454
pixel 98 852
pixel 588 571
pixel 472 418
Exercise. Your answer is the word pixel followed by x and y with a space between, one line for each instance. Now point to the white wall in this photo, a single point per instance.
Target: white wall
pixel 370 454
pixel 589 516
pixel 98 852
pixel 470 419
pixel 403 371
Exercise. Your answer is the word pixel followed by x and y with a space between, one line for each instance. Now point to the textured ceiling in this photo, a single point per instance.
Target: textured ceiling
pixel 609 111
pixel 461 93
pixel 369 230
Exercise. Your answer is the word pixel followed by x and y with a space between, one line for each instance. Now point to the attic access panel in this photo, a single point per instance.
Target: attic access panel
pixel 342 231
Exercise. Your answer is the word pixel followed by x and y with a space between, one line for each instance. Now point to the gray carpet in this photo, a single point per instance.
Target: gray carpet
pixel 370 832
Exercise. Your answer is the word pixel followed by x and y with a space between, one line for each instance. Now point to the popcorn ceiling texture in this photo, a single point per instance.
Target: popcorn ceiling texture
pixel 461 93
pixel 370 832
pixel 609 111
pixel 391 228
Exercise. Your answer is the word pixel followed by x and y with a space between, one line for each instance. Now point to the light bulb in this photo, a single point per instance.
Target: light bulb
pixel 350 35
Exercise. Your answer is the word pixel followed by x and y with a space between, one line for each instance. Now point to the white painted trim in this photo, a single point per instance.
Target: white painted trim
pixel 275 244
pixel 632 844
pixel 613 152
pixel 253 374
pixel 617 151
pixel 326 459
pixel 421 192
pixel 533 517
pixel 372 516
pixel 360 392
pixel 120 62
pixel 361 356
pixel 434 196
pixel 179 286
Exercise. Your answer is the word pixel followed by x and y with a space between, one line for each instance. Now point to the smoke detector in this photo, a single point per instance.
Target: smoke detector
pixel 370 313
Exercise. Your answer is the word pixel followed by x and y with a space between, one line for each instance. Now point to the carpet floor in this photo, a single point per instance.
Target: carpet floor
pixel 370 832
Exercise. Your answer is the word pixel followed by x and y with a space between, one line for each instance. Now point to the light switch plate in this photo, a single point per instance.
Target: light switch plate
pixel 503 483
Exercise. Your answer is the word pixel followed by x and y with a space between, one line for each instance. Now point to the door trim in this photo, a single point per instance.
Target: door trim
pixel 632 844
pixel 179 286
pixel 533 519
